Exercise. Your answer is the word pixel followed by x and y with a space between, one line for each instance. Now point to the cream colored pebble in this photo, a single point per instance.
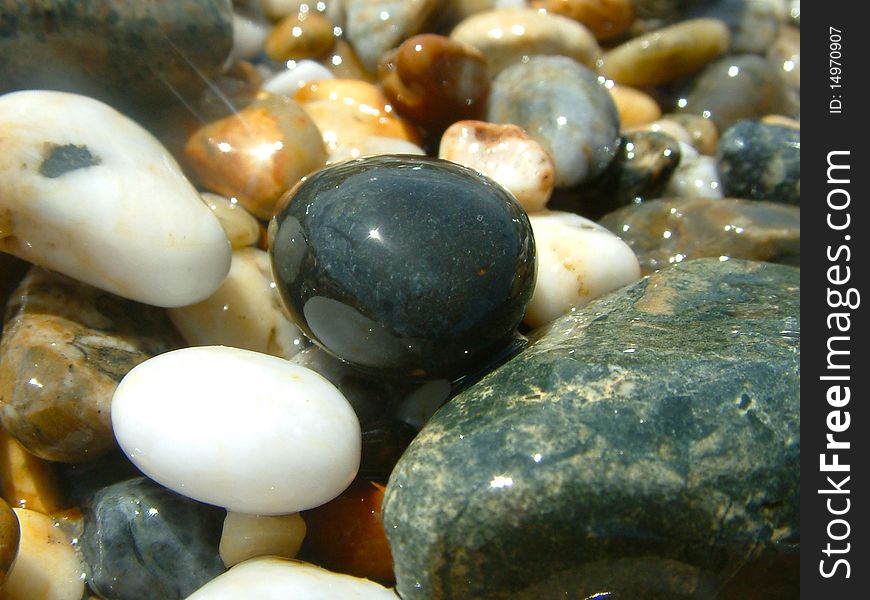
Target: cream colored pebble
pixel 248 536
pixel 240 226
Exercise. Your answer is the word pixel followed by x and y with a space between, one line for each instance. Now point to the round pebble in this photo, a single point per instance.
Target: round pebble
pixel 404 265
pixel 243 430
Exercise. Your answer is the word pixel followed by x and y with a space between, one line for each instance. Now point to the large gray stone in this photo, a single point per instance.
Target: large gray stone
pixel 646 445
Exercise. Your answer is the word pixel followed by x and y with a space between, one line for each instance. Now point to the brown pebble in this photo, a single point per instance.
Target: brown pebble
pixel 606 19
pixel 10 534
pixel 306 35
pixel 27 481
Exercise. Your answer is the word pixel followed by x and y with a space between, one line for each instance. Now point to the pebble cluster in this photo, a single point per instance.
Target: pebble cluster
pixel 399 298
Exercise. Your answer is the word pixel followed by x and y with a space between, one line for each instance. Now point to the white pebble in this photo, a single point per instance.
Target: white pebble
pixel 374 145
pixel 249 36
pixel 89 193
pixel 695 177
pixel 243 430
pixel 295 76
pixel 250 536
pixel 578 261
pixel 270 578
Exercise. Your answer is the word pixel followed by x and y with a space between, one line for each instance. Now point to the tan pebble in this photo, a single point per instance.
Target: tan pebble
pixel 306 35
pixel 781 121
pixel 666 54
pixel 344 63
pixel 27 481
pixel 10 534
pixel 635 107
pixel 703 134
pixel 47 566
pixel 374 146
pixel 606 19
pixel 671 128
pixel 257 154
pixel 506 36
pixel 785 54
pixel 506 154
pixel 249 536
pixel 241 227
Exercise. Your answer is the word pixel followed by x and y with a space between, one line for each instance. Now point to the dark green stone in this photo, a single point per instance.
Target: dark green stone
pixel 143 542
pixel 758 161
pixel 60 160
pixel 646 445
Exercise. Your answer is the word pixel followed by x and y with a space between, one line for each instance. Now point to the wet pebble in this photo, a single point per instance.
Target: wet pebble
pixel 754 24
pixel 240 226
pixel 507 155
pixel 304 35
pixel 511 35
pixel 635 106
pixel 258 153
pixel 695 176
pixel 647 162
pixel 239 429
pixel 562 105
pixel 761 162
pixel 28 481
pixel 703 135
pixel 249 536
pixel 248 37
pixel 374 145
pixel 785 55
pixel 59 146
pixel 10 534
pixel 606 19
pixel 295 76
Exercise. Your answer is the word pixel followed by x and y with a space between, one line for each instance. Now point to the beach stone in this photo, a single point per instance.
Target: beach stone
pixel 646 445
pixel 696 176
pixel 27 481
pixel 785 55
pixel 10 534
pixel 257 154
pixel 435 80
pixel 646 164
pixel 578 261
pixel 455 247
pixel 635 107
pixel 561 105
pixel 754 24
pixel 665 126
pixel 125 54
pixel 740 86
pixel 510 35
pixel 249 536
pixel 344 63
pixel 69 161
pixel 249 35
pixel 668 231
pixel 272 578
pixel 295 76
pixel 250 432
pixel 245 312
pixel 666 54
pixel 304 35
pixel 761 162
pixel 374 26
pixel 143 542
pixel 374 146
pixel 46 567
pixel 703 135
pixel 506 154
pixel 241 227
pixel 65 347
pixel 606 19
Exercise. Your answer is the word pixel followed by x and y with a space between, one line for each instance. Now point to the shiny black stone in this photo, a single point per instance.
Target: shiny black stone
pixel 404 265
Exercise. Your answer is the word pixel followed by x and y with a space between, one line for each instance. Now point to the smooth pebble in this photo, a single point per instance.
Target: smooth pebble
pixel 754 24
pixel 635 106
pixel 374 145
pixel 240 226
pixel 695 177
pixel 249 36
pixel 287 81
pixel 249 536
pixel 10 535
pixel 606 19
pixel 27 481
pixel 308 34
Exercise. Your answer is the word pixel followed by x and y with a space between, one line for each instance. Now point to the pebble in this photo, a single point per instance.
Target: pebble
pixel 635 107
pixel 347 534
pixel 703 135
pixel 245 312
pixel 46 567
pixel 278 9
pixel 645 166
pixel 754 24
pixel 696 176
pixel 143 542
pixel 666 126
pixel 672 230
pixel 27 481
pixel 781 121
pixel 257 154
pixel 10 534
pixel 248 37
pixel 740 86
pixel 606 19
pixel 562 105
pixel 65 347
pixel 344 63
pixel 239 429
pixel 349 112
pixel 241 227
pixel 249 536
pixel 374 145
pixel 666 54
pixel 304 35
pixel 761 162
pixel 375 26
pixel 435 80
pixel 271 578
pixel 295 76
pixel 164 246
pixel 506 154
pixel 785 55
pixel 455 248
pixel 578 261
pixel 511 35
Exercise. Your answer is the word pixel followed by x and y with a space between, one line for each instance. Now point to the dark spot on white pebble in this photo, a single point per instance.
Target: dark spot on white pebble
pixel 60 160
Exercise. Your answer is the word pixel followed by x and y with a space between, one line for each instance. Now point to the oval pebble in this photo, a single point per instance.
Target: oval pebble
pixel 91 194
pixel 243 430
pixel 240 226
pixel 286 82
pixel 270 578
pixel 635 107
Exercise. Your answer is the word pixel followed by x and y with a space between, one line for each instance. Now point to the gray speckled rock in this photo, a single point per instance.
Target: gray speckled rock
pixel 761 162
pixel 143 542
pixel 646 445
pixel 669 231
pixel 561 104
pixel 129 54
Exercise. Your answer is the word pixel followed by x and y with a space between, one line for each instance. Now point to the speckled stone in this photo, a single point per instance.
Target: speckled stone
pixel 404 265
pixel 124 53
pixel 666 54
pixel 65 347
pixel 741 86
pixel 562 105
pixel 754 24
pixel 9 537
pixel 144 542
pixel 646 446
pixel 669 231
pixel 761 162
pixel 606 19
